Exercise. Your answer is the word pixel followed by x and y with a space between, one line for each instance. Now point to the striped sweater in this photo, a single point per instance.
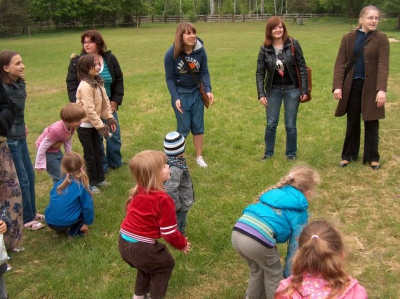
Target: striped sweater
pixel 150 216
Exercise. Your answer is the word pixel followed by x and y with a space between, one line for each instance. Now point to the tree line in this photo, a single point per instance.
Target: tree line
pixel 20 13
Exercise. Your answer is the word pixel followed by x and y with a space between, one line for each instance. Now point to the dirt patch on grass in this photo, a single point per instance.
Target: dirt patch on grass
pixel 393 40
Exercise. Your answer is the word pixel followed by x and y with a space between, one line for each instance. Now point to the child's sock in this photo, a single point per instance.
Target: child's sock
pixel 138 297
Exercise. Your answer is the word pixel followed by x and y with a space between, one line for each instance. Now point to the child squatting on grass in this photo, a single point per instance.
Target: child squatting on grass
pixel 278 216
pixel 318 267
pixel 150 214
pixel 48 144
pixel 92 95
pixel 71 208
pixel 180 185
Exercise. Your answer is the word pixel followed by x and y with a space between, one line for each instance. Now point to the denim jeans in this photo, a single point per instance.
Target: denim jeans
pixel 53 165
pixel 181 218
pixel 291 101
pixel 112 155
pixel 26 176
pixel 192 119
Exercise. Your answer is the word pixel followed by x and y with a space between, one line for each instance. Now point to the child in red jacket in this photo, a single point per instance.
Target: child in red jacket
pixel 150 214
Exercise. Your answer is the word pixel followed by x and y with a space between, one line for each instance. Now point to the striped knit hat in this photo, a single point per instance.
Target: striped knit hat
pixel 174 144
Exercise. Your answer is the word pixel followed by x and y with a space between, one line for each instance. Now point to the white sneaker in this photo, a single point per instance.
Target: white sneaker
pixel 103 184
pixel 200 162
pixel 95 190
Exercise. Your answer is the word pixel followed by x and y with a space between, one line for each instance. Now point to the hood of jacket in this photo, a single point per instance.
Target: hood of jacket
pixel 286 198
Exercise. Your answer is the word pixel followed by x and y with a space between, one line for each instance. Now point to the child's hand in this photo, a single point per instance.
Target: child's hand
pixel 40 170
pixel 3 227
pixel 187 248
pixel 104 131
pixel 84 229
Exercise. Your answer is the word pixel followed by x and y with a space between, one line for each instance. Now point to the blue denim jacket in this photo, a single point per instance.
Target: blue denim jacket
pixel 17 94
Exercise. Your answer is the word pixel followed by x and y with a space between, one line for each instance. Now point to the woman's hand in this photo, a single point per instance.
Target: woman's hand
pixel 211 97
pixel 380 98
pixel 303 97
pixel 337 94
pixel 264 101
pixel 3 227
pixel 178 105
pixel 114 106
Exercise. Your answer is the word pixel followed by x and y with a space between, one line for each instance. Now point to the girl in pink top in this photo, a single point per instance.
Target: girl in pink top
pixel 318 267
pixel 60 133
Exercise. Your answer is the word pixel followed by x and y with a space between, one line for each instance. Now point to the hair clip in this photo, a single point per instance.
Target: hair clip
pixel 314 236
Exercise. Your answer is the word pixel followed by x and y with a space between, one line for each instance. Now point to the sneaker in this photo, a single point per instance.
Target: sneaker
pixel 95 190
pixel 103 184
pixel 265 157
pixel 9 268
pixel 17 249
pixel 200 162
pixel 291 158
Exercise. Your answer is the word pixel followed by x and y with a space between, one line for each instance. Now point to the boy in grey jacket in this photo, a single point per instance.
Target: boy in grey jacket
pixel 180 186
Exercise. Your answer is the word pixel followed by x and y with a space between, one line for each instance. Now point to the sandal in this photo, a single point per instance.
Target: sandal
pixel 34 225
pixel 39 217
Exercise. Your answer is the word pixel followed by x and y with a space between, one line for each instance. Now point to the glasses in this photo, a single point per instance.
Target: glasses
pixel 88 42
pixel 372 18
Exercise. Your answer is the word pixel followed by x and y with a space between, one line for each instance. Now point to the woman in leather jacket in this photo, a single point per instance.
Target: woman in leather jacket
pixel 277 81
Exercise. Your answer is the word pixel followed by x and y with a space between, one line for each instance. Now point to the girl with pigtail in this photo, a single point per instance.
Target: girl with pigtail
pixel 278 216
pixel 318 267
pixel 71 209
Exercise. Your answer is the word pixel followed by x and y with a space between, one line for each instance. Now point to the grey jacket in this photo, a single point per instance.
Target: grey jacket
pixel 180 188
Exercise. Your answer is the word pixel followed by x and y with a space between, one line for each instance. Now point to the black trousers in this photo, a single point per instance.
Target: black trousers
pixel 351 146
pixel 92 153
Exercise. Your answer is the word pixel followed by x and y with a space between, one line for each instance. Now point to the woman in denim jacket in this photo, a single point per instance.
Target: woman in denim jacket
pixel 12 75
pixel 276 78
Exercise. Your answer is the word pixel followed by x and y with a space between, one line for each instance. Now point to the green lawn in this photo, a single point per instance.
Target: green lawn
pixel 362 202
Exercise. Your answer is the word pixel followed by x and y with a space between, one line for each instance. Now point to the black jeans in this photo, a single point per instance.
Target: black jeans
pixel 92 153
pixel 351 146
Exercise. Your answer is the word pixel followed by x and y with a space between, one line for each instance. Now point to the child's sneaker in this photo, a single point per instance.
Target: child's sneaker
pixel 200 162
pixel 103 184
pixel 95 190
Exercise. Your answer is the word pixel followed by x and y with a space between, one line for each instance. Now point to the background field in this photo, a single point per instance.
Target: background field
pixel 362 202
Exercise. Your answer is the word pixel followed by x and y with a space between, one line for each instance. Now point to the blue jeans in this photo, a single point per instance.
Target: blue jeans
pixel 53 165
pixel 181 218
pixel 112 155
pixel 291 101
pixel 26 176
pixel 192 119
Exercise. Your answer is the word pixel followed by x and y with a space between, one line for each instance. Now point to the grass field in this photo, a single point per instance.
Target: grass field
pixel 362 202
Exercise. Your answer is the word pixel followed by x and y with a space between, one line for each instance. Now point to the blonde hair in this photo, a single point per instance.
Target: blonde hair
pixel 72 112
pixel 301 177
pixel 72 165
pixel 321 252
pixel 146 169
pixel 366 10
pixel 184 27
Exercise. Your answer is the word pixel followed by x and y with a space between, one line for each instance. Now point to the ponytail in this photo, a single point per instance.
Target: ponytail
pixel 300 177
pixel 72 166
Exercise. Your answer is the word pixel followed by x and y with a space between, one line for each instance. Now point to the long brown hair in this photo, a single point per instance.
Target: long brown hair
pixel 321 252
pixel 85 63
pixel 301 177
pixel 184 27
pixel 73 166
pixel 5 60
pixel 95 37
pixel 271 24
pixel 146 169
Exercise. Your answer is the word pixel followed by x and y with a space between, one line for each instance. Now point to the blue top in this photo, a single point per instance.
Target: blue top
pixel 278 217
pixel 359 68
pixel 66 208
pixel 177 75
pixel 108 80
pixel 17 94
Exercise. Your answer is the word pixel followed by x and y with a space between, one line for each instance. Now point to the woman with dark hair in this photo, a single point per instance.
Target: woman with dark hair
pixel 12 73
pixel 110 71
pixel 360 87
pixel 185 94
pixel 277 80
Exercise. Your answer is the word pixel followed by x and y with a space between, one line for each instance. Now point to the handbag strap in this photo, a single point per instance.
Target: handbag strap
pixel 195 78
pixel 354 60
pixel 295 61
